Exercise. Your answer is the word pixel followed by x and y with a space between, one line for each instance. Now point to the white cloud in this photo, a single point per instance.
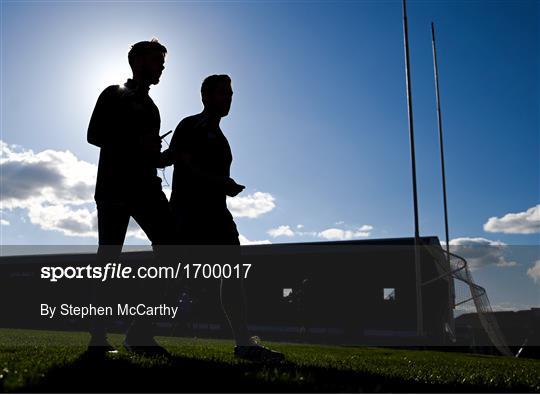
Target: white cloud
pixel 305 234
pixel 328 234
pixel 480 252
pixel 77 222
pixel 507 306
pixel 71 222
pixel 4 222
pixel 534 272
pixel 55 189
pixel 283 230
pixel 251 206
pixel 343 234
pixel 469 307
pixel 502 262
pixel 56 177
pixel 245 241
pixel 524 222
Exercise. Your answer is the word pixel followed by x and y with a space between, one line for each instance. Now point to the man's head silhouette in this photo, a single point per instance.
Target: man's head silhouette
pixel 147 59
pixel 216 92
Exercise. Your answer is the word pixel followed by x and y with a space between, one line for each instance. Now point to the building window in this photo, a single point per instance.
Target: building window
pixel 287 292
pixel 389 293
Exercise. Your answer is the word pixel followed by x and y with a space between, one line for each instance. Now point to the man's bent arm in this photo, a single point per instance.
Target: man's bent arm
pixel 103 129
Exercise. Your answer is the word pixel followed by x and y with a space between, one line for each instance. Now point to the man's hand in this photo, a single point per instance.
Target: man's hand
pixel 232 188
pixel 165 159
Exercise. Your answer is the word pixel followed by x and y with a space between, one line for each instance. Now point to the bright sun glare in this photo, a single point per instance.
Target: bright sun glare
pixel 108 67
pixel 110 73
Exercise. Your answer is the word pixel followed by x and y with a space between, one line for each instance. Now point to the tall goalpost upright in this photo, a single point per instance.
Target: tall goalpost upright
pixel 418 276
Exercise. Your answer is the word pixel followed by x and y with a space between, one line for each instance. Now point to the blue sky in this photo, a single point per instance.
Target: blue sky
pixel 318 125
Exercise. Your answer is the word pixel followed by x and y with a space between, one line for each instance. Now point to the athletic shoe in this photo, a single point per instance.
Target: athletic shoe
pixel 99 346
pixel 257 352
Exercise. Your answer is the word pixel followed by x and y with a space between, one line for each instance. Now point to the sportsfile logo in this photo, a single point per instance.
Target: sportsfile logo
pixel 110 271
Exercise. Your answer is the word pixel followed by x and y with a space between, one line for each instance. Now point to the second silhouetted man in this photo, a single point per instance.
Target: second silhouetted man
pixel 201 183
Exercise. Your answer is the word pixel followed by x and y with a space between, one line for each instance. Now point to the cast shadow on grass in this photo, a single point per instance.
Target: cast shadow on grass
pixel 190 375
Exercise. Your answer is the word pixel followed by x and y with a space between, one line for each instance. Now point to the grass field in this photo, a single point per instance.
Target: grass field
pixel 46 361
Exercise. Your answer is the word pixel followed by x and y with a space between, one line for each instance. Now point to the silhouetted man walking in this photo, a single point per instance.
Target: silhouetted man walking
pixel 125 126
pixel 201 183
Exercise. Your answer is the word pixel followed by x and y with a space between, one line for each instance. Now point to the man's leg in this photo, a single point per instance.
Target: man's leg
pixel 113 221
pixel 152 213
pixel 232 294
pixel 233 303
pixel 213 235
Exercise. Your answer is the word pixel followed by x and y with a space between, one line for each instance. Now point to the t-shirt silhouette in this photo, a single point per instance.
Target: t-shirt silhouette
pixel 122 116
pixel 198 198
